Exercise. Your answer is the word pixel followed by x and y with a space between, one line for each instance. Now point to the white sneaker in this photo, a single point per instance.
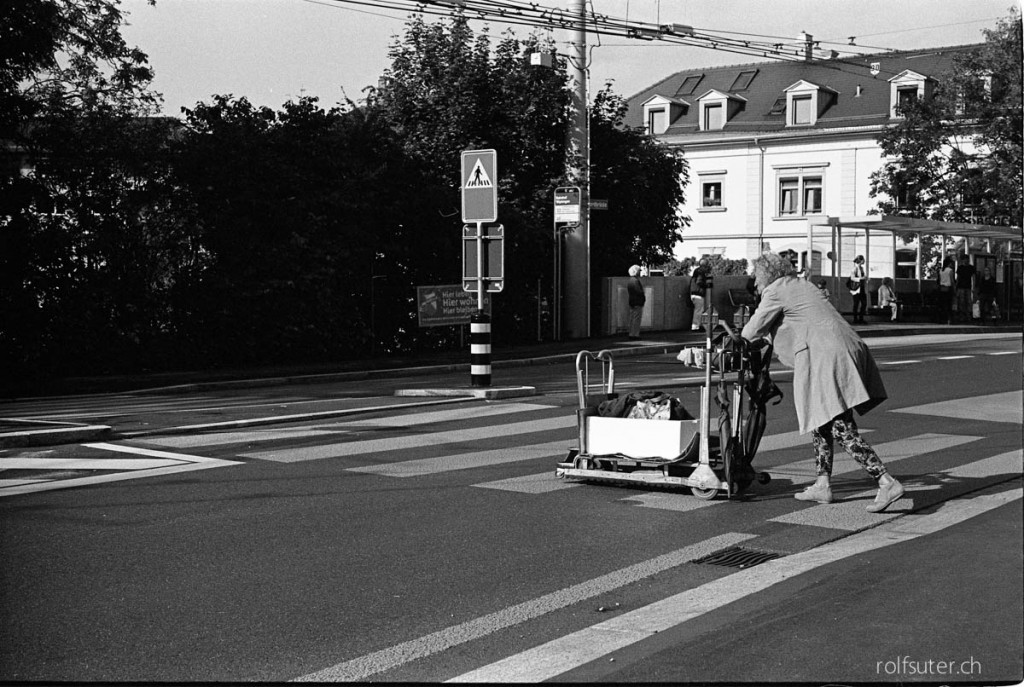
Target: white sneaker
pixel 815 492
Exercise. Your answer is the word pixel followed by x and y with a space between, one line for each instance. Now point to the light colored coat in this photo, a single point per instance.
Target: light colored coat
pixel 833 370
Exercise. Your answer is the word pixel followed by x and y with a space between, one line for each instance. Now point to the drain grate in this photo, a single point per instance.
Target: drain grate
pixel 736 557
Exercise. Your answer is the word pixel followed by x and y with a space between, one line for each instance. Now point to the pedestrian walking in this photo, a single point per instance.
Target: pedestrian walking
pixel 834 374
pixel 965 289
pixel 858 289
pixel 698 291
pixel 637 299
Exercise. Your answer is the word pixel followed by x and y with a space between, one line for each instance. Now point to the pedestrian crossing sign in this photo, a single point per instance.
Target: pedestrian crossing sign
pixel 479 186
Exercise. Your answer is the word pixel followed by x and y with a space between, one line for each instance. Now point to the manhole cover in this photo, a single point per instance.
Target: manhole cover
pixel 735 557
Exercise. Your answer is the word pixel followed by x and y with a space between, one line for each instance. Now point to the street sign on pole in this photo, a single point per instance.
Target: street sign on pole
pixel 488 268
pixel 479 186
pixel 567 205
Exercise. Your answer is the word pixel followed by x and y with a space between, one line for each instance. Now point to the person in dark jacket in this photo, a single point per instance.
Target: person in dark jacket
pixel 637 298
pixel 699 290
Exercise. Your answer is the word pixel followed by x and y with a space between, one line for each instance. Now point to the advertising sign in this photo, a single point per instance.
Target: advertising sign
pixel 446 305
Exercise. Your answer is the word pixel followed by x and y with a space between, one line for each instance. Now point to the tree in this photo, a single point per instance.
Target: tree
pixel 957 156
pixel 74 249
pixel 447 91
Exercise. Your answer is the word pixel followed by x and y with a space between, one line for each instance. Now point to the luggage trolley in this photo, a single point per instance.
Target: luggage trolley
pixel 679 453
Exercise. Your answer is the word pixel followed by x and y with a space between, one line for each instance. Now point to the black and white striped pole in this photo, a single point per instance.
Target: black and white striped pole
pixel 480 349
pixel 485 273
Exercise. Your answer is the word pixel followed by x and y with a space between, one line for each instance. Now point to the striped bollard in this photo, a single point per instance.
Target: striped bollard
pixel 480 349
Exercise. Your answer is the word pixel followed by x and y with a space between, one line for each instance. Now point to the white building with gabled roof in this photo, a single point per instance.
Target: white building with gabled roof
pixel 778 150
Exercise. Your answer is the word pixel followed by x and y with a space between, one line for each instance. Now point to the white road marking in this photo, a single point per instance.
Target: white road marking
pixel 899 362
pixel 386 444
pixel 1005 353
pixel 954 357
pixel 1002 407
pixel 171 463
pixel 559 656
pixel 538 483
pixel 466 461
pixel 851 514
pixel 805 470
pixel 358 669
pixel 247 436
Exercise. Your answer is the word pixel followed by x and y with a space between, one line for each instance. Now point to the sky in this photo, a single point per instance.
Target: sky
pixel 272 51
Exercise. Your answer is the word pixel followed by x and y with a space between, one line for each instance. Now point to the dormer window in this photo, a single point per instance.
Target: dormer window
pixel 905 88
pixel 714 119
pixel 717 108
pixel 805 102
pixel 660 112
pixel 657 120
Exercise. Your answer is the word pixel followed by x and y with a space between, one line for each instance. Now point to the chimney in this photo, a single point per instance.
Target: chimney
pixel 808 41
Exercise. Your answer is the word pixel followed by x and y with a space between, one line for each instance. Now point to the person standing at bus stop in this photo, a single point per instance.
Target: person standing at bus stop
pixel 858 289
pixel 834 374
pixel 965 289
pixel 637 299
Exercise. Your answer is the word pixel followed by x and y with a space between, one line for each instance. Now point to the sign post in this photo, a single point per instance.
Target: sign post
pixel 479 205
pixel 567 216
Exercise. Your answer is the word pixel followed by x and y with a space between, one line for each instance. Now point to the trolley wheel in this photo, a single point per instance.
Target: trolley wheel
pixel 704 494
pixel 763 478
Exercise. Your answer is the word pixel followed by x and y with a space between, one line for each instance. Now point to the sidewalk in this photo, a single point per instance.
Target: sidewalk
pixel 23 433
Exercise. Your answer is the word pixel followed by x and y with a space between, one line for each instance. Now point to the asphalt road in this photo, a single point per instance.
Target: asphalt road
pixel 433 542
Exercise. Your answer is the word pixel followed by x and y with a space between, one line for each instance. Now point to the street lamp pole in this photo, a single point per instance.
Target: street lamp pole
pixel 576 312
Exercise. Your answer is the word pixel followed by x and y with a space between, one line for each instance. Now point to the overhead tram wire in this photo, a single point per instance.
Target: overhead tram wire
pixel 518 12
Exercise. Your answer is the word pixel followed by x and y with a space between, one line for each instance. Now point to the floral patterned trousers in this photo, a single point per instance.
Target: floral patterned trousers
pixel 844 429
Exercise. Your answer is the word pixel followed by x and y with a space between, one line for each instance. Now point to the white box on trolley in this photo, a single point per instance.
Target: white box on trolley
pixel 639 438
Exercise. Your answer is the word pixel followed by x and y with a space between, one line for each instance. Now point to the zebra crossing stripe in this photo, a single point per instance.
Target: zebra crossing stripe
pixel 547 481
pixel 359 669
pixel 559 656
pixel 850 514
pixel 384 444
pixel 1001 407
pixel 466 461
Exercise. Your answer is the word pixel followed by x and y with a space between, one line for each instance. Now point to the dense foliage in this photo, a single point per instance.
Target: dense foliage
pixel 242 235
pixel 957 156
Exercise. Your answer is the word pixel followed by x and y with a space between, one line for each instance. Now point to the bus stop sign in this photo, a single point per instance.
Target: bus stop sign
pixel 479 186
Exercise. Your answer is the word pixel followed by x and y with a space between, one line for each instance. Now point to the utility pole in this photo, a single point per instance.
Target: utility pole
pixel 576 289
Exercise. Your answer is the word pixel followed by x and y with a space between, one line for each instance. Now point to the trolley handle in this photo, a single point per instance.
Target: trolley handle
pixel 583 359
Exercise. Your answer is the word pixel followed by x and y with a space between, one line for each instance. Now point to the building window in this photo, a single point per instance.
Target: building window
pixel 713 117
pixel 803 110
pixel 905 95
pixel 657 121
pixel 711 194
pixel 689 84
pixel 742 81
pixel 779 107
pixel 800 196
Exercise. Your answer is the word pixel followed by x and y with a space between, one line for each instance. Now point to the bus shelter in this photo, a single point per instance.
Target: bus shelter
pixel 876 238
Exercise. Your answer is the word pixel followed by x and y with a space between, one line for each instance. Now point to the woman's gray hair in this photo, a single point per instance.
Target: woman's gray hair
pixel 771 266
pixel 634 271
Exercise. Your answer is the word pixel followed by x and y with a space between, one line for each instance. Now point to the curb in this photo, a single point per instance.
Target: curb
pixel 51 437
